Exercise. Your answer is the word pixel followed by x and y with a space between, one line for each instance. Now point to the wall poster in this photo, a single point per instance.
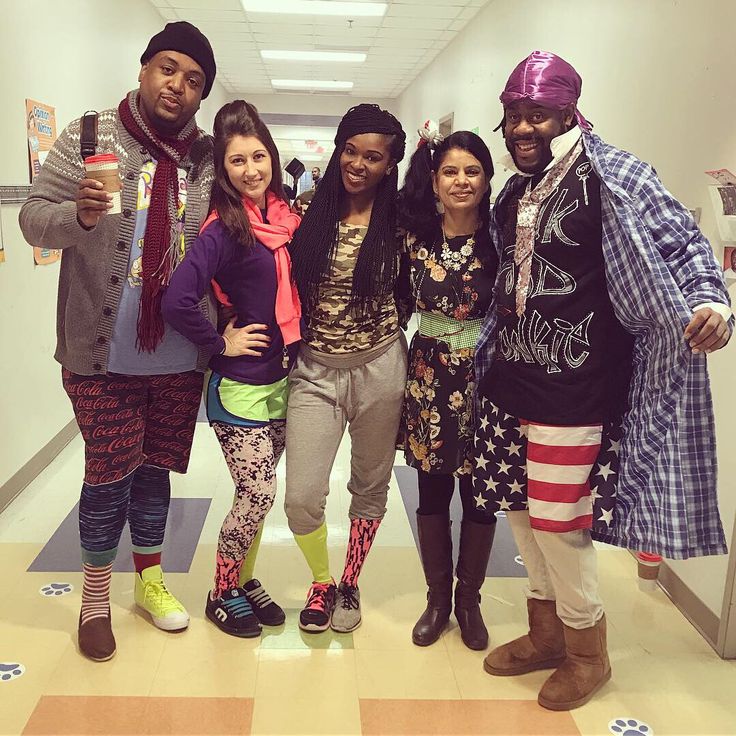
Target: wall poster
pixel 41 130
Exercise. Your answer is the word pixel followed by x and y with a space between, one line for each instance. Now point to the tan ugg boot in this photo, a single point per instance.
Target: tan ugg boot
pixel 585 670
pixel 541 649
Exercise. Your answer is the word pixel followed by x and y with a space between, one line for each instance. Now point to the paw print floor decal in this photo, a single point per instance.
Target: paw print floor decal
pixel 11 671
pixel 56 589
pixel 630 727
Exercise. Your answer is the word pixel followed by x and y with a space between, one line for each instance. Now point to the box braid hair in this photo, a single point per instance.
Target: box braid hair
pixel 315 242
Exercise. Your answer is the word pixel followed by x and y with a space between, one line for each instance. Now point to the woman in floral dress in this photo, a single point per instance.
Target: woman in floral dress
pixel 453 269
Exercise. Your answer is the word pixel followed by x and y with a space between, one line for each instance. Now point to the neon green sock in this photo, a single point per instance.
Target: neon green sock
pixel 249 563
pixel 314 549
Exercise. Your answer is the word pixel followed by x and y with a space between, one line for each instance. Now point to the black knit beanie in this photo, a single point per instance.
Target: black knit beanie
pixel 186 39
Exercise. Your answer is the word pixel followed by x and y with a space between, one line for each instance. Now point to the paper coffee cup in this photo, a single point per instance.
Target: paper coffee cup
pixel 104 168
pixel 648 570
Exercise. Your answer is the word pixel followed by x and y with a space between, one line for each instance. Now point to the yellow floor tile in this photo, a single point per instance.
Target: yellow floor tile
pixel 419 673
pixel 39 648
pixel 475 683
pixel 462 718
pixel 130 672
pixel 306 675
pixel 387 624
pixel 16 558
pixel 665 714
pixel 206 663
pixel 658 627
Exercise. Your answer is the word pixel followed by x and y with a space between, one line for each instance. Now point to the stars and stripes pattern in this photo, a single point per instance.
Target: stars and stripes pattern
pixel 564 476
pixel 558 465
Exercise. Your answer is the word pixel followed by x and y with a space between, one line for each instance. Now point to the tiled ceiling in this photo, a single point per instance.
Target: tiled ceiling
pixel 398 45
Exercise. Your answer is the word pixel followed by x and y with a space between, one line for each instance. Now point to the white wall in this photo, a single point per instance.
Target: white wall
pixel 658 80
pixel 75 55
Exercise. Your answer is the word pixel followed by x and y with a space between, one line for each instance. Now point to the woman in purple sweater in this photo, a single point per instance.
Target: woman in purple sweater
pixel 241 252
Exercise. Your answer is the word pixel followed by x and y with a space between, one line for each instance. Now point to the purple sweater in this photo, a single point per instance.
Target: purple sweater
pixel 248 276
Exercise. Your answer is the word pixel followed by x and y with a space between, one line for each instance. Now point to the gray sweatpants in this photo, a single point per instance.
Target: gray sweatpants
pixel 322 402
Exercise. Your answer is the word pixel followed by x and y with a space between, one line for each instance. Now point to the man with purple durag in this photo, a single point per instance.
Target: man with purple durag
pixel 595 417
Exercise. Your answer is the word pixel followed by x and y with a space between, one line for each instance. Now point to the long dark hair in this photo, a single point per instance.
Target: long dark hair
pixel 239 118
pixel 315 242
pixel 416 204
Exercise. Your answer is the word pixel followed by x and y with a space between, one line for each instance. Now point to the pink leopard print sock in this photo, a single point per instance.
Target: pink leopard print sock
pixel 227 572
pixel 362 533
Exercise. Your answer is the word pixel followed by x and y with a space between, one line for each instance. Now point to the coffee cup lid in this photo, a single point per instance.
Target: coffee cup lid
pixel 102 158
pixel 647 557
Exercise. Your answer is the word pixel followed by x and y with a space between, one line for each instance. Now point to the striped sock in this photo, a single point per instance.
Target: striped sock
pixel 96 592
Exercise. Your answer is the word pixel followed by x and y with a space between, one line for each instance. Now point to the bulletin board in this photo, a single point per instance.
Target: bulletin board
pixel 41 133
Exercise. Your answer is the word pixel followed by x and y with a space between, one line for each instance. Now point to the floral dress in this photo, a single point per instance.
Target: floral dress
pixel 437 428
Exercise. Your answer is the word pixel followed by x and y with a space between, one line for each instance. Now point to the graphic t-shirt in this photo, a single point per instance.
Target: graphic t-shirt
pixel 175 354
pixel 567 359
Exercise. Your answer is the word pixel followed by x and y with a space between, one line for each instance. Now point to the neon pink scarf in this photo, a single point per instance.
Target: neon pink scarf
pixel 274 235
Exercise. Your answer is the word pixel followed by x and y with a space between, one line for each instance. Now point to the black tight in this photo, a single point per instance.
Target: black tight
pixel 435 494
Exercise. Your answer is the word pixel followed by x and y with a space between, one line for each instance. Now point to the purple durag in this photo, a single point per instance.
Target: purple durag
pixel 548 80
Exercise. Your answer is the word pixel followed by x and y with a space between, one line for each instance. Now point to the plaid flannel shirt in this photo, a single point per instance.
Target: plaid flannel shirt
pixel 659 266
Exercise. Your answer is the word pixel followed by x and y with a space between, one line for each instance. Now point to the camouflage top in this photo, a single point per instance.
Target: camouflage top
pixel 333 327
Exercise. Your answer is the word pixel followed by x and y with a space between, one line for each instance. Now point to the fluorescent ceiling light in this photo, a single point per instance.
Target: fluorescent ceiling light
pixel 325 84
pixel 313 56
pixel 316 7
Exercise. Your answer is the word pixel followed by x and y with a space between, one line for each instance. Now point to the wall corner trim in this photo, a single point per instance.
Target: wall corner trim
pixel 39 462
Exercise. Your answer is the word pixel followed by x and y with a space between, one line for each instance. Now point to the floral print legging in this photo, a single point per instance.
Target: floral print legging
pixel 251 454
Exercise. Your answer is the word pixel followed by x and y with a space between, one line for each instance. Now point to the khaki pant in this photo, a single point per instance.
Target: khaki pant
pixel 324 400
pixel 561 567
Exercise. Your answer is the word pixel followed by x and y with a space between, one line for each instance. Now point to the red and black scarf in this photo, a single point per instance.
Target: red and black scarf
pixel 160 238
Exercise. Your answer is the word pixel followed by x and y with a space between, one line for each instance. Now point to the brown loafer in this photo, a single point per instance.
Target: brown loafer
pixel 96 640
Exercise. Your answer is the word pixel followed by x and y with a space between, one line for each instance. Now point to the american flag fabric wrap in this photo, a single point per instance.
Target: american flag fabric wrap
pixel 530 205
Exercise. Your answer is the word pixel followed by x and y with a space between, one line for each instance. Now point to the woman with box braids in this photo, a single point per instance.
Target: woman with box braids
pixel 352 363
pixel 313 249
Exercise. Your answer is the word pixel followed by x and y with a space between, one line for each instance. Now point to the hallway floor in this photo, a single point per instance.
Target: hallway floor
pixel 666 679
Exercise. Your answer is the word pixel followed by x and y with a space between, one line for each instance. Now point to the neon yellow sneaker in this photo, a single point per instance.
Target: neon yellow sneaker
pixel 152 595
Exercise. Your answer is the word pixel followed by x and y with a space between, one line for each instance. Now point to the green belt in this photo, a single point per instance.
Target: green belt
pixel 458 334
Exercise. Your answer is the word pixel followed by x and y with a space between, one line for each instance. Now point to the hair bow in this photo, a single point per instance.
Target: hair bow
pixel 429 135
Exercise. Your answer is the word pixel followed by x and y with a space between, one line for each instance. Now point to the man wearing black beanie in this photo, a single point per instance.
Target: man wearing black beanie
pixel 178 70
pixel 134 383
